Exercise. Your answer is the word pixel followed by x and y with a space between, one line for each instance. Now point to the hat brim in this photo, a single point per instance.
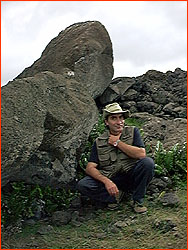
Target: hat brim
pixel 126 113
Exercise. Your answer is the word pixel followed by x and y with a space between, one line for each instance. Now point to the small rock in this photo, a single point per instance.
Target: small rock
pixel 45 229
pixel 164 225
pixel 100 236
pixel 114 229
pixel 76 202
pixel 138 232
pixel 169 199
pixel 30 222
pixel 60 218
pixel 121 224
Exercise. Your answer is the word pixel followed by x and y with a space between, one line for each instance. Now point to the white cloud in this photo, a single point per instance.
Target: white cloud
pixel 145 34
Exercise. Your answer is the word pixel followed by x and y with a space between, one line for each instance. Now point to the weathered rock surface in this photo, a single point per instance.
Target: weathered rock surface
pixel 164 225
pixel 48 111
pixel 83 50
pixel 157 93
pixel 46 119
pixel 60 218
pixel 170 199
pixel 167 131
pixel 157 185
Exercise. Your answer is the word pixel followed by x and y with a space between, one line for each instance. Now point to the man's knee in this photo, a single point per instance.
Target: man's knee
pixel 148 164
pixel 81 185
pixel 86 184
pixel 147 161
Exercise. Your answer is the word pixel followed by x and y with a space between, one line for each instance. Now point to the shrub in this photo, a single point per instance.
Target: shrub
pixel 172 163
pixel 23 200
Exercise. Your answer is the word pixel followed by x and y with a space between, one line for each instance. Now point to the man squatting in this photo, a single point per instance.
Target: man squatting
pixel 117 163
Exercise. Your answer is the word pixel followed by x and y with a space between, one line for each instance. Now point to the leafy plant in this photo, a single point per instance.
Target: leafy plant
pixel 18 202
pixel 23 201
pixel 137 122
pixel 57 199
pixel 172 163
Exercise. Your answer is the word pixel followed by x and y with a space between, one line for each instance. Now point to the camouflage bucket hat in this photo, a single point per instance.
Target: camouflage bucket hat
pixel 114 108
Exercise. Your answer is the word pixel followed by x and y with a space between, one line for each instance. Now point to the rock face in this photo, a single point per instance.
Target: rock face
pixel 167 131
pixel 157 93
pixel 83 50
pixel 48 111
pixel 46 120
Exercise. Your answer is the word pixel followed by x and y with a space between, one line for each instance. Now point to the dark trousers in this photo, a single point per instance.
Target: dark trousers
pixel 136 181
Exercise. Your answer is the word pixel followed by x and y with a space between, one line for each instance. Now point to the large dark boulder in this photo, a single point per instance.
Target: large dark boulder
pixel 83 50
pixel 46 120
pixel 49 110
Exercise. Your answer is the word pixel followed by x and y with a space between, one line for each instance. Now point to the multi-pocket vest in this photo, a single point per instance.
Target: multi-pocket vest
pixel 111 159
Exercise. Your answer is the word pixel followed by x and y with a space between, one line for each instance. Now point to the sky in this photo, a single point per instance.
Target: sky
pixel 145 35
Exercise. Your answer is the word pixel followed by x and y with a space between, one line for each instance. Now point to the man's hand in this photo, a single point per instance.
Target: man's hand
pixel 113 138
pixel 132 151
pixel 111 188
pixel 92 170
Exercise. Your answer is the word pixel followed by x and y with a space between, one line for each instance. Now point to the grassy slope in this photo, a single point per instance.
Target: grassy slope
pixel 99 230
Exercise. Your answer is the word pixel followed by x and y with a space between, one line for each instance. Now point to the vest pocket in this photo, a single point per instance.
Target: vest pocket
pixel 103 149
pixel 104 159
pixel 113 156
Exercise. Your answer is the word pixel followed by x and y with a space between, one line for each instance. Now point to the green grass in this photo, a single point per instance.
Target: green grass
pixel 134 122
pixel 99 232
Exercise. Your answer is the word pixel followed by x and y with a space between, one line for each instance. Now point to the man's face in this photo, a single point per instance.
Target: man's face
pixel 115 123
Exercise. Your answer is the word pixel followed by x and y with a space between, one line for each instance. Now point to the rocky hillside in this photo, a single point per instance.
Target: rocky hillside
pixel 157 93
pixel 49 110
